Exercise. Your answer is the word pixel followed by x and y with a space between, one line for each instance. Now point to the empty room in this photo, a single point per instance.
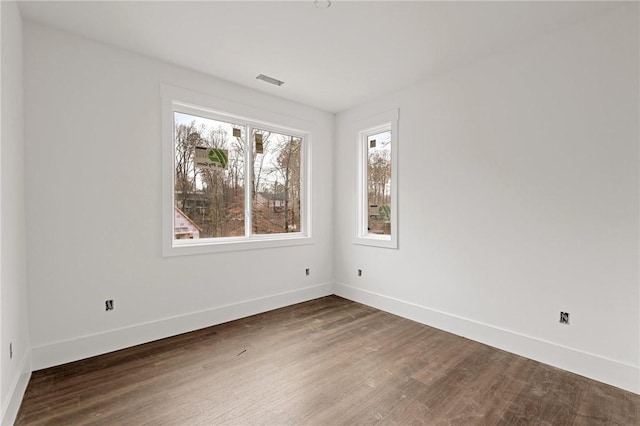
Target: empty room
pixel 320 212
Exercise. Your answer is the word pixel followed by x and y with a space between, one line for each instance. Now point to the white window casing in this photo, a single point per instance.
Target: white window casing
pixel 192 103
pixel 375 125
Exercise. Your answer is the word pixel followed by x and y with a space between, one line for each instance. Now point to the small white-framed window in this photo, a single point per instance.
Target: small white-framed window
pixel 231 182
pixel 377 221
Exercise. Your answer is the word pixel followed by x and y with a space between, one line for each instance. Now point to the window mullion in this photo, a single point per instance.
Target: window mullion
pixel 248 187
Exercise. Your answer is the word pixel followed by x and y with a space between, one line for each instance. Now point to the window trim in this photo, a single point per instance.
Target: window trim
pixel 181 100
pixel 375 124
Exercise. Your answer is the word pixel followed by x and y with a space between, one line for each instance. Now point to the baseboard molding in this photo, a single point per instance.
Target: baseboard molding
pixel 595 367
pixel 58 353
pixel 13 400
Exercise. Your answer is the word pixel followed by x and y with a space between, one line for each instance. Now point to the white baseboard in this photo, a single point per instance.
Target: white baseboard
pixel 57 353
pixel 13 400
pixel 595 367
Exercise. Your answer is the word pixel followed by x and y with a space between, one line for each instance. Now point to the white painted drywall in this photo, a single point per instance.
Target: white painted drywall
pixel 518 182
pixel 94 206
pixel 13 285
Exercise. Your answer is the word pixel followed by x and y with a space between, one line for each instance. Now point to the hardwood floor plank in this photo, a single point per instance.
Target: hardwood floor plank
pixel 327 361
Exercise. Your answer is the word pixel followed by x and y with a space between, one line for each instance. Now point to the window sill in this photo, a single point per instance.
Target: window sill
pixel 375 240
pixel 221 245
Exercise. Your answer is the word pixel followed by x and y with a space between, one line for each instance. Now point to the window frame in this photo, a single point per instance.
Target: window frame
pixel 373 125
pixel 187 102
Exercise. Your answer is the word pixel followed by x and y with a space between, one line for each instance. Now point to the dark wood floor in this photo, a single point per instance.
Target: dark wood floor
pixel 324 362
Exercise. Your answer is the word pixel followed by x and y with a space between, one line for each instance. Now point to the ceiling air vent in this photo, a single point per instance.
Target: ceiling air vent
pixel 271 80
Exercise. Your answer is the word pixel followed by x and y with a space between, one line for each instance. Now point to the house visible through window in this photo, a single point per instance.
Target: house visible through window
pixel 209 177
pixel 276 182
pixel 234 180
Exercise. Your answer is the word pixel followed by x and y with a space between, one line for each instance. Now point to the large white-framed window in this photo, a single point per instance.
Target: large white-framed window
pixel 377 220
pixel 234 177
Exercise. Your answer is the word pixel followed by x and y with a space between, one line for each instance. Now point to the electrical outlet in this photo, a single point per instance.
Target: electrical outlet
pixel 307 271
pixel 10 350
pixel 108 305
pixel 564 317
pixel 359 272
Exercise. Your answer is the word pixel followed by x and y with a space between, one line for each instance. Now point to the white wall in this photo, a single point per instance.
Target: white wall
pixel 518 199
pixel 15 370
pixel 94 156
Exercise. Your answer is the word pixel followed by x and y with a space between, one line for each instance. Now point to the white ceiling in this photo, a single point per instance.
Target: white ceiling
pixel 332 59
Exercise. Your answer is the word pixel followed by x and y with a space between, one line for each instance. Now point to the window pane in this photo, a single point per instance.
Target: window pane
pixel 379 183
pixel 209 178
pixel 276 182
